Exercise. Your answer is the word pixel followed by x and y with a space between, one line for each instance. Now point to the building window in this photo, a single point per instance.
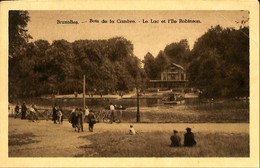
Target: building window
pixel 182 76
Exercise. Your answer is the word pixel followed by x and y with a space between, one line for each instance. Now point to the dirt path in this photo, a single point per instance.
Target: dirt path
pixel 55 139
pixel 63 141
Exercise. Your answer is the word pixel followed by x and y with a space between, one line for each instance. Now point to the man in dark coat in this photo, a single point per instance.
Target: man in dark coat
pixel 24 109
pixel 176 140
pixel 91 121
pixel 16 110
pixel 189 138
pixel 54 113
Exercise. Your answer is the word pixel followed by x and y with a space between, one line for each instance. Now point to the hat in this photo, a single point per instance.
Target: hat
pixel 188 129
pixel 175 131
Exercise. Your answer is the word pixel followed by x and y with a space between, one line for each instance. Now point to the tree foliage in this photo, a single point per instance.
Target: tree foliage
pixel 178 52
pixel 220 62
pixel 109 65
pixel 18 36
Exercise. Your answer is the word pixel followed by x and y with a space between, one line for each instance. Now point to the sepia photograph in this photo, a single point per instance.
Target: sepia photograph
pixel 129 84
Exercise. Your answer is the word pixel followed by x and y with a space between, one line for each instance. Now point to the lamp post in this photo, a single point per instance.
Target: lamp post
pixel 84 86
pixel 138 112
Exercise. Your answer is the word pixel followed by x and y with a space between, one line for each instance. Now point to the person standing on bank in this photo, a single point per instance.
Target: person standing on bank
pixel 16 110
pixel 24 109
pixel 54 113
pixel 189 138
pixel 61 114
pixel 91 121
pixel 112 109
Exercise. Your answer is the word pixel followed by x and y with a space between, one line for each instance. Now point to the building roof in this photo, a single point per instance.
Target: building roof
pixel 176 65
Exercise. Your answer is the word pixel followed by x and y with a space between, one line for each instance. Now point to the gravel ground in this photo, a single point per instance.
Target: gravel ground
pixel 55 140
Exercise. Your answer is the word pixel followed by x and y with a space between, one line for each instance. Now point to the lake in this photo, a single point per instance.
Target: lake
pixel 153 110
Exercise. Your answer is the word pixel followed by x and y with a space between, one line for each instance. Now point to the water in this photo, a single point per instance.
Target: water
pixel 154 110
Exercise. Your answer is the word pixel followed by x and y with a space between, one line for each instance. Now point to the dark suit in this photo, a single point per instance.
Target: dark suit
pixel 54 114
pixel 91 120
pixel 24 108
pixel 189 139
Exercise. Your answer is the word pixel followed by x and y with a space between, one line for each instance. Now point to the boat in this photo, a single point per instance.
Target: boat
pixel 174 98
pixel 174 102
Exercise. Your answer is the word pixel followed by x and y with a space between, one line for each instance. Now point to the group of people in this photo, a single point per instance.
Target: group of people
pixel 27 113
pixel 188 139
pixel 57 114
pixel 77 118
pixel 112 109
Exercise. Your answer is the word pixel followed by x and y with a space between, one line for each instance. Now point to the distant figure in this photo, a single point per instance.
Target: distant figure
pixel 71 118
pixel 176 140
pixel 60 109
pixel 91 121
pixel 112 109
pixel 59 115
pixel 86 111
pixel 132 130
pixel 16 110
pixel 189 138
pixel 76 119
pixel 79 123
pixel 33 114
pixel 24 109
pixel 120 113
pixel 54 113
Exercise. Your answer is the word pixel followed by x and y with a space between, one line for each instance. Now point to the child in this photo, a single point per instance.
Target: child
pixel 59 114
pixel 132 130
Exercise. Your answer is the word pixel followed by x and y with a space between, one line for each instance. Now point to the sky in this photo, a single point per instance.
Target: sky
pixel 146 37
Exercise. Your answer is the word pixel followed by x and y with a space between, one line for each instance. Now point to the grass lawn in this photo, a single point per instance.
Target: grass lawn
pixel 157 144
pixel 21 139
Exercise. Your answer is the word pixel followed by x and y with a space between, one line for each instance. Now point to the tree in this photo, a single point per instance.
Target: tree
pixel 220 62
pixel 178 52
pixel 162 61
pixel 18 36
pixel 150 66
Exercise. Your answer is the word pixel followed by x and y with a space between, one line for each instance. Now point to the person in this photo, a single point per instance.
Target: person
pixel 77 120
pixel 81 118
pixel 33 115
pixel 24 109
pixel 59 115
pixel 72 118
pixel 54 114
pixel 60 109
pixel 86 111
pixel 176 140
pixel 16 110
pixel 132 130
pixel 112 108
pixel 189 138
pixel 91 121
pixel 120 113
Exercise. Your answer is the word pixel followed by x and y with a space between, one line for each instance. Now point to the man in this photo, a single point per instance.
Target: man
pixel 54 113
pixel 189 138
pixel 16 110
pixel 112 108
pixel 78 119
pixel 91 121
pixel 176 140
pixel 24 108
